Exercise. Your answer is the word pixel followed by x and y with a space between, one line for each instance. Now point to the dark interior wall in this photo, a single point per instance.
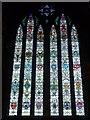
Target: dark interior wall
pixel 12 15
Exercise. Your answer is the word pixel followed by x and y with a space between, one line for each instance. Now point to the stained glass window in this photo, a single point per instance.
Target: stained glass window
pixel 27 82
pixel 39 73
pixel 79 102
pixel 65 68
pixel 54 101
pixel 39 68
pixel 16 73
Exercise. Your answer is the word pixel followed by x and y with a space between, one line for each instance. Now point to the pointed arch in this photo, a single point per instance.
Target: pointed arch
pixel 38 111
pixel 66 93
pixel 54 98
pixel 78 88
pixel 27 81
pixel 16 73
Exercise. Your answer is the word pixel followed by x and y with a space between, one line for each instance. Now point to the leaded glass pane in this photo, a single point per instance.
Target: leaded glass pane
pixel 27 81
pixel 38 111
pixel 66 93
pixel 54 98
pixel 16 73
pixel 79 102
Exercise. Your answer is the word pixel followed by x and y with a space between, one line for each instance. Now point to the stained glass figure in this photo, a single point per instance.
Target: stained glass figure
pixel 27 82
pixel 54 97
pixel 38 111
pixel 78 88
pixel 16 73
pixel 65 68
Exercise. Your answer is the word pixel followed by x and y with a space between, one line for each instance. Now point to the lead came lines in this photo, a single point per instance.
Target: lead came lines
pixel 65 68
pixel 39 71
pixel 54 102
pixel 16 73
pixel 38 110
pixel 27 82
pixel 79 102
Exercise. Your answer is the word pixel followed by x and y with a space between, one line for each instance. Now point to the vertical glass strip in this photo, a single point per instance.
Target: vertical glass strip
pixel 39 73
pixel 54 98
pixel 16 73
pixel 27 82
pixel 65 68
pixel 79 102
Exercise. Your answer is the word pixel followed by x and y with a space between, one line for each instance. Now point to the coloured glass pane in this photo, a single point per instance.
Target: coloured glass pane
pixel 79 102
pixel 54 98
pixel 38 111
pixel 16 73
pixel 66 93
pixel 27 82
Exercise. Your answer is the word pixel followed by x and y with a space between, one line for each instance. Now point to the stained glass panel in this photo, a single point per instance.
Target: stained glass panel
pixel 27 82
pixel 39 73
pixel 16 73
pixel 54 98
pixel 79 102
pixel 65 68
